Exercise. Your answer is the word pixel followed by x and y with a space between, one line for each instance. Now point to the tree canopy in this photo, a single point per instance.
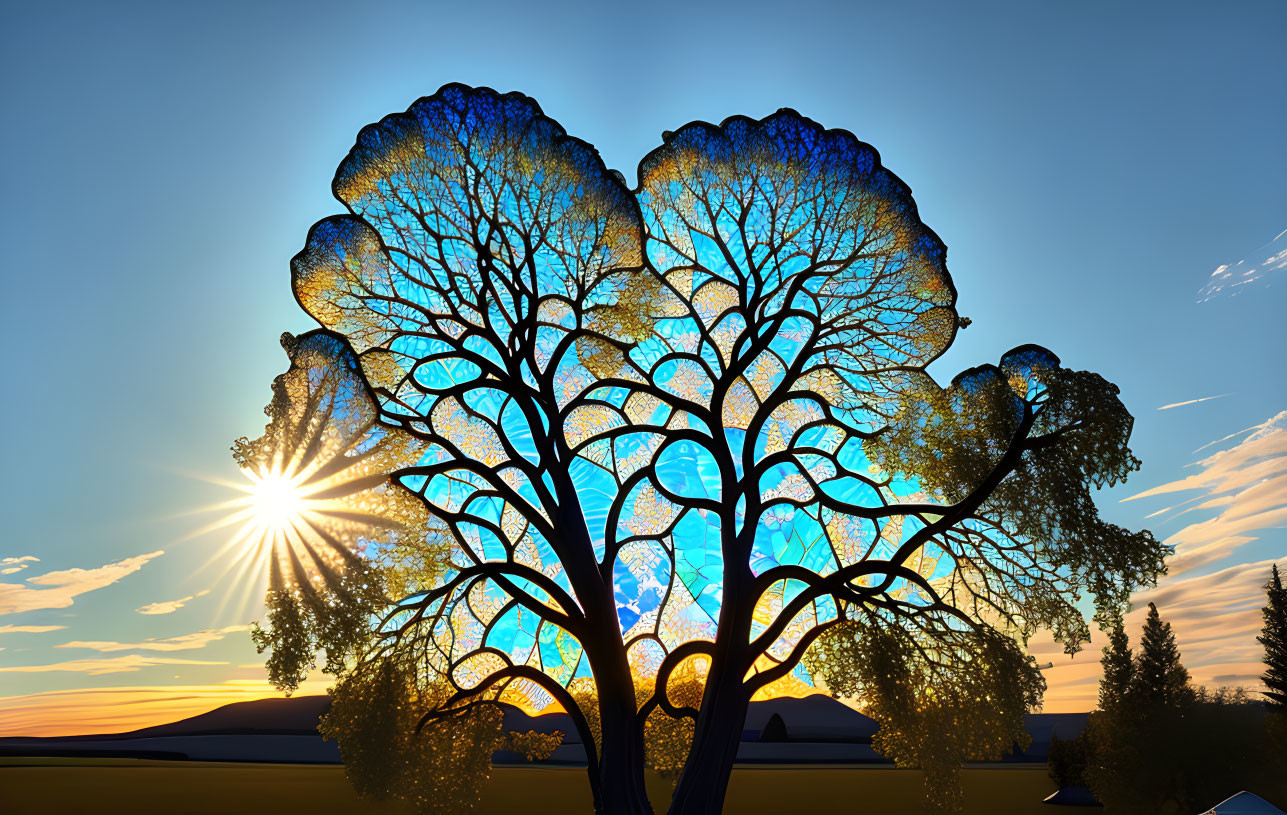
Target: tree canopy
pixel 676 446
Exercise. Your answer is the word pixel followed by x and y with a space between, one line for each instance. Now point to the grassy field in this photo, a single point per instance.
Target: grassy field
pixel 138 787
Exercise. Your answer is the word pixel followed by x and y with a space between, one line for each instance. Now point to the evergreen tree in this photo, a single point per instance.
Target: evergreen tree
pixel 1119 668
pixel 1274 638
pixel 1158 675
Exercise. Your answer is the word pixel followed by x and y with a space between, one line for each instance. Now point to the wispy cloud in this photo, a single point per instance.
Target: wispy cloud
pixel 12 565
pixel 1224 439
pixel 1246 483
pixel 1232 279
pixel 183 642
pixel 1192 402
pixel 113 665
pixel 29 629
pixel 63 586
pixel 169 606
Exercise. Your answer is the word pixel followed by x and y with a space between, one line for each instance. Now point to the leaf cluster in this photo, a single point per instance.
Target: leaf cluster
pixel 942 694
pixel 1023 444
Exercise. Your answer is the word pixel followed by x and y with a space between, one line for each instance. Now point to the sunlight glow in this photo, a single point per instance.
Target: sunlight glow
pixel 278 501
pixel 272 521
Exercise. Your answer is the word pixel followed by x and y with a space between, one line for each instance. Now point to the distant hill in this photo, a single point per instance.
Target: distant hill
pixel 811 718
pixel 294 716
pixel 818 729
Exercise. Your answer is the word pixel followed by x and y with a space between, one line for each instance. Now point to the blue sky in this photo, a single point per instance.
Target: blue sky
pixel 1089 166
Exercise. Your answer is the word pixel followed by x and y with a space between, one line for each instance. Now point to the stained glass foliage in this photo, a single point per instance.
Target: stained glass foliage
pixel 646 419
pixel 349 538
pixel 491 271
pixel 806 291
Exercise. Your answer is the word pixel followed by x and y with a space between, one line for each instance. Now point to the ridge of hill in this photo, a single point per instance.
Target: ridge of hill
pixel 291 716
pixel 816 719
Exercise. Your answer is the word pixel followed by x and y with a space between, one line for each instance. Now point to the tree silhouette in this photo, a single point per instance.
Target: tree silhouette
pixel 1119 668
pixel 1159 745
pixel 1274 638
pixel 1158 677
pixel 681 439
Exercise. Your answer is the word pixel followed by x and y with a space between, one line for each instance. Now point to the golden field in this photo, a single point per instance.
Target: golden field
pixel 54 786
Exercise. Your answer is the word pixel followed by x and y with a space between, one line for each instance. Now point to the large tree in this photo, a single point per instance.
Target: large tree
pixel 681 437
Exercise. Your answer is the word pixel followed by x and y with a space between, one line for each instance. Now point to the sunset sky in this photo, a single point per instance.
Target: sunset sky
pixel 1109 180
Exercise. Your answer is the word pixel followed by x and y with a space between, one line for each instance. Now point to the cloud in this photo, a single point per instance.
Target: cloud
pixel 183 642
pixel 10 565
pixel 114 665
pixel 66 584
pixel 169 606
pixel 29 629
pixel 1216 618
pixel 1232 279
pixel 1223 439
pixel 1247 483
pixel 1192 401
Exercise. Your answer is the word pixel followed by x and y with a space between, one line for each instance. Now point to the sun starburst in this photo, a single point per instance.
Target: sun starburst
pixel 316 493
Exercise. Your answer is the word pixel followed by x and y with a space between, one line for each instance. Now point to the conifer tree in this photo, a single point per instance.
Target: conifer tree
pixel 1158 675
pixel 1274 638
pixel 1119 669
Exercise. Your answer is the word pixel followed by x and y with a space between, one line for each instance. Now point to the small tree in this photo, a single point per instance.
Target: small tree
pixel 1274 638
pixel 1067 760
pixel 1066 763
pixel 1119 668
pixel 1158 677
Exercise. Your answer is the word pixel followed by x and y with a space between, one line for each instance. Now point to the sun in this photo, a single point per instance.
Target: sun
pixel 277 503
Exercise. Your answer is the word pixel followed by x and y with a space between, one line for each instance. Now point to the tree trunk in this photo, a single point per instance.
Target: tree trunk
pixel 621 749
pixel 621 756
pixel 718 732
pixel 621 789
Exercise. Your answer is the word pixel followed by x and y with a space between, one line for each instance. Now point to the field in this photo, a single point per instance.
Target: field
pixel 54 786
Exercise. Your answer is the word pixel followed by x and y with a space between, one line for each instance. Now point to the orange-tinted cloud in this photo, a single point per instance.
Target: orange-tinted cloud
pixel 1215 617
pixel 63 586
pixel 114 665
pixel 183 642
pixel 11 565
pixel 1246 483
pixel 169 606
pixel 29 629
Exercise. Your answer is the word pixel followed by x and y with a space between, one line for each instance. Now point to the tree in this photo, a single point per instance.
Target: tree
pixel 1157 745
pixel 1119 668
pixel 681 439
pixel 1158 677
pixel 1274 638
pixel 1066 762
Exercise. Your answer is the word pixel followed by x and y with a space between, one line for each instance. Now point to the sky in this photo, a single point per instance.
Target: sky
pixel 1109 180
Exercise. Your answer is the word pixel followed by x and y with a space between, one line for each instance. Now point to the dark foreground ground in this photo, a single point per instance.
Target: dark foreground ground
pixel 54 786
